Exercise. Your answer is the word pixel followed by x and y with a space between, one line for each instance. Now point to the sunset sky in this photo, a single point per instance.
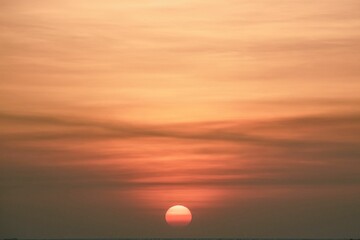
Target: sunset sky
pixel 245 111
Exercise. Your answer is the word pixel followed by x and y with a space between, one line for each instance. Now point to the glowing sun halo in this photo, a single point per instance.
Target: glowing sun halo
pixel 178 215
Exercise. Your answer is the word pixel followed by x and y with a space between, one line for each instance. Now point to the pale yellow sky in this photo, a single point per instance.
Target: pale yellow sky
pixel 178 61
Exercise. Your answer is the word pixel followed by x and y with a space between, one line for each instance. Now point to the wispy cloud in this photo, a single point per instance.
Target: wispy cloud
pixel 288 151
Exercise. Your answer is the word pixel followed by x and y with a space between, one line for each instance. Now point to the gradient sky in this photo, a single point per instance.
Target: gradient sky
pixel 245 111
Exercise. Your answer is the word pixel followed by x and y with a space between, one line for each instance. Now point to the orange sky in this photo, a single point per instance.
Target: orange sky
pixel 225 106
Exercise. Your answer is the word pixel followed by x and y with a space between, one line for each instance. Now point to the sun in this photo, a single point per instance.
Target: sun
pixel 178 216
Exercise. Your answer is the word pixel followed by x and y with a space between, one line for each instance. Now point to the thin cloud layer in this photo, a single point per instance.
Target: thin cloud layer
pixel 210 153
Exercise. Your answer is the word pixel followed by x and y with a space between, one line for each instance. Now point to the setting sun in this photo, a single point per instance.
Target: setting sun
pixel 178 215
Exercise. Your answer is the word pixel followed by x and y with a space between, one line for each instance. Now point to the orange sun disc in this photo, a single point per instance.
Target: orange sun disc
pixel 178 215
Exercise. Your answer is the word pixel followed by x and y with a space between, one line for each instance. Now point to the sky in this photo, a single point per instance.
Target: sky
pixel 245 111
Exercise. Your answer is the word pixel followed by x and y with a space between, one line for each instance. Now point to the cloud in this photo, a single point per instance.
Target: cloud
pixel 231 131
pixel 318 149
